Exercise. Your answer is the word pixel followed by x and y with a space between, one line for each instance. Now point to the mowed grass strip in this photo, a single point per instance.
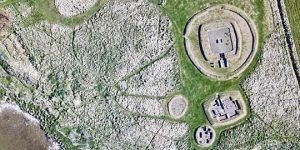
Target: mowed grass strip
pixel 293 11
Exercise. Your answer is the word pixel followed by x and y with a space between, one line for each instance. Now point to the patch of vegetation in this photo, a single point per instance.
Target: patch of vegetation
pixel 293 10
pixel 194 85
pixel 45 10
pixel 58 86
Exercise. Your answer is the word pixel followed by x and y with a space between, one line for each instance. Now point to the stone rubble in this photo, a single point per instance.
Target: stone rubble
pixel 272 88
pixel 74 71
pixel 143 106
pixel 70 8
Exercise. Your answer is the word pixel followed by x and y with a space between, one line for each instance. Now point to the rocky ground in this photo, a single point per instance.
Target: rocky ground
pixel 112 73
pixel 71 8
pixel 273 92
pixel 273 88
pixel 102 76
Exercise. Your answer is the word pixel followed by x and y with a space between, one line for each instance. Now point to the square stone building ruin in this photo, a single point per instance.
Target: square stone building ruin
pixel 220 43
pixel 225 108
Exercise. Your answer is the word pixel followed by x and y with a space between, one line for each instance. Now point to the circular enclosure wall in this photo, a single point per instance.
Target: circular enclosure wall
pixel 205 136
pixel 221 41
pixel 177 106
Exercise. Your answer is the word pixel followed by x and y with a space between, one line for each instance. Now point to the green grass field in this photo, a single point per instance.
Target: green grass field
pixel 293 10
pixel 195 86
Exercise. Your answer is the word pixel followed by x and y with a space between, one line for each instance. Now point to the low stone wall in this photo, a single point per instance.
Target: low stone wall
pixel 205 136
pixel 177 106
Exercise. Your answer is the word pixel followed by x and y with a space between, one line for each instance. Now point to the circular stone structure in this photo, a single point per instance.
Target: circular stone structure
pixel 70 8
pixel 177 106
pixel 221 41
pixel 205 136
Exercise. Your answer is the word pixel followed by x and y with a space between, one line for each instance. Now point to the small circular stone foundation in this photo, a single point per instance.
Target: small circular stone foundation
pixel 205 136
pixel 177 106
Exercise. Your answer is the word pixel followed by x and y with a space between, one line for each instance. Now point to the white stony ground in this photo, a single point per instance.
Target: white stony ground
pixel 54 146
pixel 159 79
pixel 78 70
pixel 142 105
pixel 157 134
pixel 71 8
pixel 18 60
pixel 245 136
pixel 272 88
pixel 273 92
pixel 177 106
